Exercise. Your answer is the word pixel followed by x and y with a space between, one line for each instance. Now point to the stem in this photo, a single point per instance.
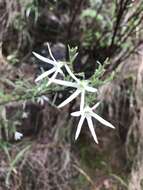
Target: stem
pixel 28 97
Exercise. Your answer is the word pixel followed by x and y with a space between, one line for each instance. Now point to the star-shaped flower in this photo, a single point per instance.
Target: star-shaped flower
pixel 57 65
pixel 81 87
pixel 87 113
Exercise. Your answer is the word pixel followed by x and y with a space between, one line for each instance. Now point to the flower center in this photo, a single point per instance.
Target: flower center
pixel 87 111
pixel 83 85
pixel 59 65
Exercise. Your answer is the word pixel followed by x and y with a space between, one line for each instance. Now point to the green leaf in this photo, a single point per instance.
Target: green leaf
pixel 89 13
pixel 72 53
pixel 14 162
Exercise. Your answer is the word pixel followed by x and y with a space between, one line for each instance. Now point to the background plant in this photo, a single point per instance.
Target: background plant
pixel 100 29
pixel 112 25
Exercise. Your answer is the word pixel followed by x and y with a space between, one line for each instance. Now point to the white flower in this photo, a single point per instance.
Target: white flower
pixel 42 99
pixel 54 70
pixel 87 113
pixel 81 87
pixel 18 136
pixel 25 115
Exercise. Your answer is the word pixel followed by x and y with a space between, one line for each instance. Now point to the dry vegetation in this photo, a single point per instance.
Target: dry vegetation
pixel 52 160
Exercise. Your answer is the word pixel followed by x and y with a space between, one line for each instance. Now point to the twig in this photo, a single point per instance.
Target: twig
pixel 81 171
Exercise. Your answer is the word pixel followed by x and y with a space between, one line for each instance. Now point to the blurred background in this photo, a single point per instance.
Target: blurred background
pixel 48 158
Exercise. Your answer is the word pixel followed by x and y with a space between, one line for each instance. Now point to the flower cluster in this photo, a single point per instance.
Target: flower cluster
pixel 81 87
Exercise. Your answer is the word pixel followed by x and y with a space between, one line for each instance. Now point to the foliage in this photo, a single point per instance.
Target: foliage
pixel 23 90
pixel 7 128
pixel 105 29
pixel 110 26
pixel 14 162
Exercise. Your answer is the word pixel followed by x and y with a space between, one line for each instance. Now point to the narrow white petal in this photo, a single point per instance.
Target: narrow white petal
pixel 52 78
pixel 65 83
pixel 71 73
pixel 91 127
pixel 79 126
pixel 50 52
pixel 45 74
pixel 70 98
pixel 96 105
pixel 76 113
pixel 91 89
pixel 82 100
pixel 54 75
pixel 101 120
pixel 44 59
pixel 45 98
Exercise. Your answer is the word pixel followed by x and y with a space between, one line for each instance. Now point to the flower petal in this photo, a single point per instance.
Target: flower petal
pixel 65 83
pixel 45 74
pixel 82 100
pixel 52 78
pixel 101 120
pixel 91 89
pixel 44 59
pixel 96 105
pixel 91 127
pixel 70 98
pixel 79 126
pixel 71 73
pixel 76 113
pixel 18 136
pixel 50 52
pixel 45 98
